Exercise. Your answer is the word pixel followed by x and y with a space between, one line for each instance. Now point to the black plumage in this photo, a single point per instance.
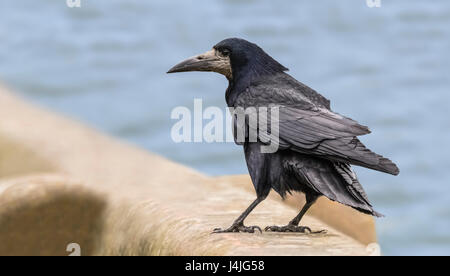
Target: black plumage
pixel 316 145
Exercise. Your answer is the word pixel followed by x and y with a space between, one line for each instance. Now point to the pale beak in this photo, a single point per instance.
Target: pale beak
pixel 208 61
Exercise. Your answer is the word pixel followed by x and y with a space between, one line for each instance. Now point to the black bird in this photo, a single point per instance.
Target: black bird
pixel 316 145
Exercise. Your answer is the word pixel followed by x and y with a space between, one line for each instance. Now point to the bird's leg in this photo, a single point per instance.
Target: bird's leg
pixel 238 224
pixel 293 225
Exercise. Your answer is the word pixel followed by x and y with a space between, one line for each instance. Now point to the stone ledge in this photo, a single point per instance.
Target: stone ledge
pixel 72 184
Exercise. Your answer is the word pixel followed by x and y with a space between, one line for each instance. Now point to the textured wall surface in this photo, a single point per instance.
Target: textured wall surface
pixel 64 183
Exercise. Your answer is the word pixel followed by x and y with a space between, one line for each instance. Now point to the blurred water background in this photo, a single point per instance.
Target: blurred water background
pixel 387 67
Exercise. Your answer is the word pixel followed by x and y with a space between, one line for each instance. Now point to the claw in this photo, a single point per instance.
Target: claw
pixel 237 228
pixel 257 227
pixel 292 228
pixel 268 228
pixel 305 228
pixel 220 230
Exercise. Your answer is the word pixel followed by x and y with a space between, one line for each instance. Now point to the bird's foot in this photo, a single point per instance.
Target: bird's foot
pixel 293 228
pixel 235 228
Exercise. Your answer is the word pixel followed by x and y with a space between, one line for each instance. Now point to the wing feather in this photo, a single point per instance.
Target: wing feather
pixel 311 128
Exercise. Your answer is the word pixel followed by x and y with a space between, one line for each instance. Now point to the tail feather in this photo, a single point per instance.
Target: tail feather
pixel 334 180
pixel 351 150
pixel 355 188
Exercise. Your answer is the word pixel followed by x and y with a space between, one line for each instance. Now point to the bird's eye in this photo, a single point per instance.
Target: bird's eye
pixel 224 52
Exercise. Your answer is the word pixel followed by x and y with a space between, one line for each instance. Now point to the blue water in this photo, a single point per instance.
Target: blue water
pixel 387 67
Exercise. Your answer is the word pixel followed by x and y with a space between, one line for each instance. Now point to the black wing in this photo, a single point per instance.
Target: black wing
pixel 308 127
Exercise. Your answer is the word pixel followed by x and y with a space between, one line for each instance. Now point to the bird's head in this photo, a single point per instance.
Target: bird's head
pixel 232 57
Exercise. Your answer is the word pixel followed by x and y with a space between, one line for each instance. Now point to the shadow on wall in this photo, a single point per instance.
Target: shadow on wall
pixel 30 211
pixel 31 220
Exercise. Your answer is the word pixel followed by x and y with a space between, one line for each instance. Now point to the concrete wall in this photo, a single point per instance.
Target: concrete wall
pixel 62 183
